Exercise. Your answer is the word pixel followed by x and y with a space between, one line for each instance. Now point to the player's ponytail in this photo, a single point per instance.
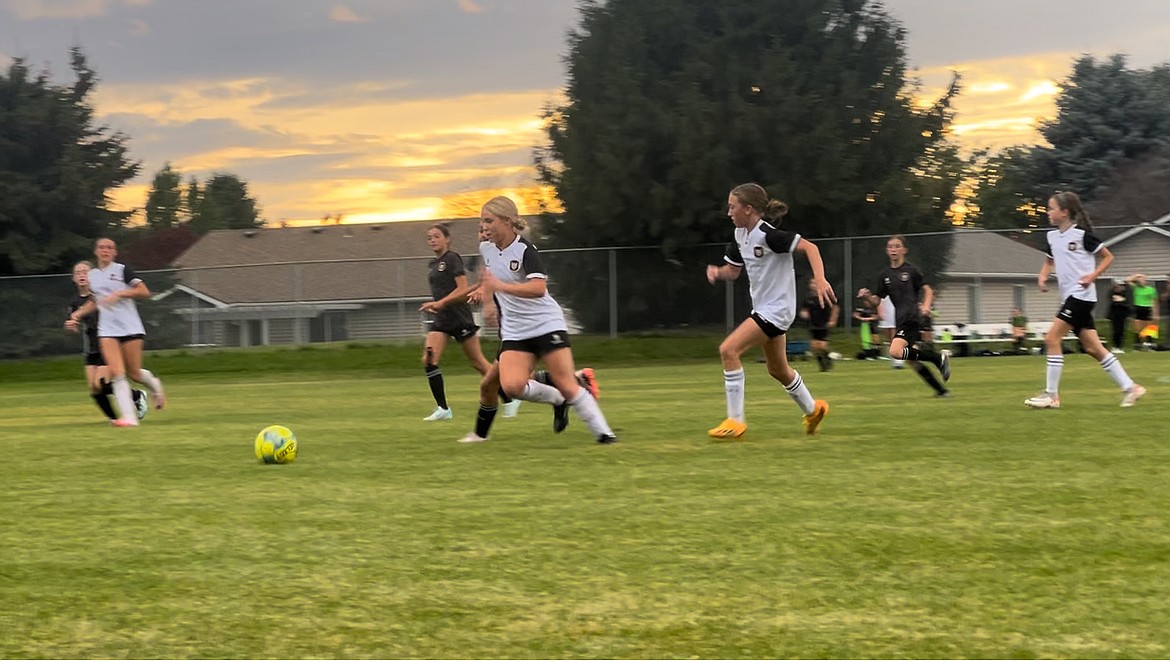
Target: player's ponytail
pixel 1071 203
pixel 754 196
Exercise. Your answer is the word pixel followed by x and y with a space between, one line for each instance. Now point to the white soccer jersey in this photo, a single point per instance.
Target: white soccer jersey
pixel 886 317
pixel 121 319
pixel 521 318
pixel 1073 251
pixel 766 253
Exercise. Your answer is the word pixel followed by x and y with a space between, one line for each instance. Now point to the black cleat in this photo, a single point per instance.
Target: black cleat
pixel 606 438
pixel 560 417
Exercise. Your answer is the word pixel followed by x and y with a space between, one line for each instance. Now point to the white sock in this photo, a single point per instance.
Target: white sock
pixel 541 393
pixel 125 401
pixel 1112 366
pixel 800 393
pixel 590 413
pixel 1055 366
pixel 733 383
pixel 147 378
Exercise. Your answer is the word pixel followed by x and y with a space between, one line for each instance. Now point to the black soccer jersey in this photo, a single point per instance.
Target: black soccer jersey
pixel 903 285
pixel 818 316
pixel 442 273
pixel 89 325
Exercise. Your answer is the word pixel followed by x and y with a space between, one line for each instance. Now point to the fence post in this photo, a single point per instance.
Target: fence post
pixel 613 307
pixel 845 299
pixel 729 305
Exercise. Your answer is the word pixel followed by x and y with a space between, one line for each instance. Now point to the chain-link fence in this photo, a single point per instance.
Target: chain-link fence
pixel 978 277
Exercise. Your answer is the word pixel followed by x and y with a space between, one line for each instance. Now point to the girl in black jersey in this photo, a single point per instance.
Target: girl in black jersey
pixel 912 297
pixel 449 315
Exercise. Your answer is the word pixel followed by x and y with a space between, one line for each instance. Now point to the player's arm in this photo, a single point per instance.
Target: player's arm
pixel 82 311
pixel 833 315
pixel 456 296
pixel 927 299
pixel 1104 259
pixel 1045 272
pixel 824 290
pixel 724 272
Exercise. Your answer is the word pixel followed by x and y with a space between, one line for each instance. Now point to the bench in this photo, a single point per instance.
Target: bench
pixel 988 334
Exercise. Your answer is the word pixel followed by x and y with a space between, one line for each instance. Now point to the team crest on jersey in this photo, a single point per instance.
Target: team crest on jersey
pixel 514 265
pixel 442 267
pixel 1072 247
pixel 758 251
pixel 905 276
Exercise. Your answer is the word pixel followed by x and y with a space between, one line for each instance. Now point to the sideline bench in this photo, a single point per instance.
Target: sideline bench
pixel 985 335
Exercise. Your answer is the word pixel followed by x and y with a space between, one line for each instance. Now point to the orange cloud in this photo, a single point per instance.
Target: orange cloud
pixel 470 7
pixel 343 14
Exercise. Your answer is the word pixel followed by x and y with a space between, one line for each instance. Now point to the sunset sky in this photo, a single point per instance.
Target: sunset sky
pixel 387 110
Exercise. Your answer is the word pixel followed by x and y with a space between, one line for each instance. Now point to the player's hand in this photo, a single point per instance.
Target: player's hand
pixel 1043 285
pixel 71 325
pixel 825 293
pixel 429 307
pixel 864 292
pixel 1086 280
pixel 712 274
pixel 474 297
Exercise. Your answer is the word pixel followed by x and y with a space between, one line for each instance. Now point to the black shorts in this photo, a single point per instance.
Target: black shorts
pixel 94 359
pixel 820 334
pixel 770 330
pixel 1143 313
pixel 909 332
pixel 539 346
pixel 127 339
pixel 458 332
pixel 1078 314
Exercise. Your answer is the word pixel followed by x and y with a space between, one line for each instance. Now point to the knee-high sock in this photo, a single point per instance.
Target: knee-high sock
pixel 914 354
pixel 590 413
pixel 541 393
pixel 733 384
pixel 799 392
pixel 928 378
pixel 483 420
pixel 103 402
pixel 1112 366
pixel 435 379
pixel 123 399
pixel 147 378
pixel 1055 366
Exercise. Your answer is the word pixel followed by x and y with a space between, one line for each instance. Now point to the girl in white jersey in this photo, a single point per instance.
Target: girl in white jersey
pixel 532 326
pixel 1072 251
pixel 120 331
pixel 766 252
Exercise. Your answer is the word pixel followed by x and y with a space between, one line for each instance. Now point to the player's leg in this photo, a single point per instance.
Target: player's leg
pixel 1111 365
pixel 564 377
pixel 113 355
pixel 776 357
pixel 95 378
pixel 489 389
pixel 746 336
pixel 1050 397
pixel 433 346
pixel 132 351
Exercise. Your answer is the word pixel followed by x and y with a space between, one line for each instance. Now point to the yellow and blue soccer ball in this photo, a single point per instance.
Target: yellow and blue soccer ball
pixel 276 445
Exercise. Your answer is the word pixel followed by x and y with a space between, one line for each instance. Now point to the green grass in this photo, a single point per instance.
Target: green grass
pixel 910 527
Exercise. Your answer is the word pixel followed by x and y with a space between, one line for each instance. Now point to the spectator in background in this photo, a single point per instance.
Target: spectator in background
pixel 866 316
pixel 1118 314
pixel 1019 323
pixel 1145 308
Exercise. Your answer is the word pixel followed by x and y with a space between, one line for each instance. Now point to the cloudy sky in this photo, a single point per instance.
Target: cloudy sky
pixel 399 109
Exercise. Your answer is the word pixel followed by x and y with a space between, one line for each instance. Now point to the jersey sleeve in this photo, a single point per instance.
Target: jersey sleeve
pixel 883 289
pixel 455 264
pixel 1092 244
pixel 1046 245
pixel 781 241
pixel 532 264
pixel 917 278
pixel 129 276
pixel 731 254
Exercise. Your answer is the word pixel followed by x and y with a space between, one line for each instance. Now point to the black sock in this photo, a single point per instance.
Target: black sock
pixel 504 397
pixel 103 402
pixel 107 387
pixel 929 379
pixel 435 378
pixel 914 354
pixel 483 420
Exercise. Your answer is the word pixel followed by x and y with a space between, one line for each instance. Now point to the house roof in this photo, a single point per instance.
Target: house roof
pixel 343 263
pixel 1160 226
pixel 982 253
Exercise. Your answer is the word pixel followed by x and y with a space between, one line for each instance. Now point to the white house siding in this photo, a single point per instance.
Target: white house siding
pixel 1146 252
pixel 385 321
pixel 996 299
pixel 282 332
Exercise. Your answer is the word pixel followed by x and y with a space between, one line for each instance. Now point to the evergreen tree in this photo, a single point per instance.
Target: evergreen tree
pixel 164 203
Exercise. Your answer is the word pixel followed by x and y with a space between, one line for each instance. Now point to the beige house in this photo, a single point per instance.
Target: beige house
pixel 276 286
pixel 1144 248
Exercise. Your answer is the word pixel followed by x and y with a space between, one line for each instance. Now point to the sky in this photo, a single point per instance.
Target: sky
pixel 384 110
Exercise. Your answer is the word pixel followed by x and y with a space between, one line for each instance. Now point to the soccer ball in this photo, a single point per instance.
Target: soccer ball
pixel 141 404
pixel 276 445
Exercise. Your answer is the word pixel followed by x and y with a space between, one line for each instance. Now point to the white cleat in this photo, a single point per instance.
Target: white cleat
pixel 440 414
pixel 472 438
pixel 1131 397
pixel 1044 401
pixel 508 410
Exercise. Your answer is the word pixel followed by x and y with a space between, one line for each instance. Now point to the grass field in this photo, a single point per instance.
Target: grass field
pixel 910 527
